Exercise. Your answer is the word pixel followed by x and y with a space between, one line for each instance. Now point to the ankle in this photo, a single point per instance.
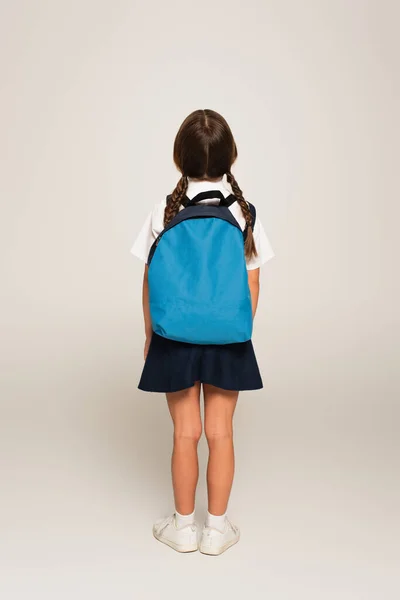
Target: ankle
pixel 183 520
pixel 216 521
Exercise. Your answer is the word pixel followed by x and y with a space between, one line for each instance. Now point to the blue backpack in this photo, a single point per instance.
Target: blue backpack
pixel 198 286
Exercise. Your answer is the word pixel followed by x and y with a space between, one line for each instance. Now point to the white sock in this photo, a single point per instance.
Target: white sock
pixel 183 520
pixel 216 521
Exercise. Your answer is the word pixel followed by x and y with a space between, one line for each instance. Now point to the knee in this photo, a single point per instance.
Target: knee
pixel 218 434
pixel 188 434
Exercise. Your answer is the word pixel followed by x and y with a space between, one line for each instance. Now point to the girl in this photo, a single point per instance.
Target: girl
pixel 204 152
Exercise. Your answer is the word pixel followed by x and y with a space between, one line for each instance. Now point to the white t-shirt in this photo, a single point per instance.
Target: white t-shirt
pixel 154 224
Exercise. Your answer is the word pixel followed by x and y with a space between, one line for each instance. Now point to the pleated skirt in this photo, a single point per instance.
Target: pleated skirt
pixel 172 366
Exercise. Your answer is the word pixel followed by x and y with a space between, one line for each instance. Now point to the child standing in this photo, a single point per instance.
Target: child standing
pixel 204 152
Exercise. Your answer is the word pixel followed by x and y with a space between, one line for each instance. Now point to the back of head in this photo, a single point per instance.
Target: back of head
pixel 205 148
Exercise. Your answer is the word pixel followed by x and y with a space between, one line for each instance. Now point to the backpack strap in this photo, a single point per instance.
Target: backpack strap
pixel 253 213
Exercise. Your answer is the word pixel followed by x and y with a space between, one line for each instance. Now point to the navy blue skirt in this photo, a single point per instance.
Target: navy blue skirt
pixel 172 366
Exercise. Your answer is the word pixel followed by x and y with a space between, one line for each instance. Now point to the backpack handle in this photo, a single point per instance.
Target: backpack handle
pixel 210 194
pixel 222 202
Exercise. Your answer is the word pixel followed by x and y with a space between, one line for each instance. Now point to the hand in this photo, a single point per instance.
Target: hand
pixel 146 346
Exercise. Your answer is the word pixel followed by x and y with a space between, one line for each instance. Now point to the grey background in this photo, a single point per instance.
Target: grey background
pixel 92 94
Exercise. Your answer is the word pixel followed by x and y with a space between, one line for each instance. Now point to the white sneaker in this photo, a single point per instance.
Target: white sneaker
pixel 181 540
pixel 216 542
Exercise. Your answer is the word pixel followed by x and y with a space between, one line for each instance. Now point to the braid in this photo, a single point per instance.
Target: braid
pixel 249 246
pixel 175 200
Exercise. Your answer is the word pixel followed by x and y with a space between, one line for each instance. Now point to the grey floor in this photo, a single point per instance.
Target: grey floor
pixel 85 471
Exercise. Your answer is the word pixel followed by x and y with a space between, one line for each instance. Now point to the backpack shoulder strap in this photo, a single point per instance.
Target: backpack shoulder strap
pixel 253 213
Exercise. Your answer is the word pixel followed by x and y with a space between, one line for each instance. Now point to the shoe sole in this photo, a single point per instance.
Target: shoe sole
pixel 220 550
pixel 177 547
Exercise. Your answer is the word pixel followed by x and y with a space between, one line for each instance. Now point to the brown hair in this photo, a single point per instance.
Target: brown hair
pixel 204 148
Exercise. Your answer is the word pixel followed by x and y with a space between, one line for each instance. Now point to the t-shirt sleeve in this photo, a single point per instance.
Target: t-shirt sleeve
pixel 151 228
pixel 263 247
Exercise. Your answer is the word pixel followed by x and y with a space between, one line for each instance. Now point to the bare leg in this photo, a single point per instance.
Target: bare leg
pixel 219 407
pixel 184 407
